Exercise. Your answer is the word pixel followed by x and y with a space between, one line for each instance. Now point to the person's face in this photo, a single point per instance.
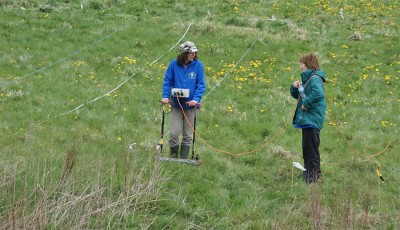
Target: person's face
pixel 303 67
pixel 191 56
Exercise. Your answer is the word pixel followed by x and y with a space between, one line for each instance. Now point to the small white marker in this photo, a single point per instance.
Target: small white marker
pixel 131 146
pixel 298 165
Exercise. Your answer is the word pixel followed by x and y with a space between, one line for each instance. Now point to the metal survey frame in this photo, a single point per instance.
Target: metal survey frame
pixel 195 160
pixel 159 147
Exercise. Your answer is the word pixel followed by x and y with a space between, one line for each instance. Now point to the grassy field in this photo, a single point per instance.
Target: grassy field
pixel 80 83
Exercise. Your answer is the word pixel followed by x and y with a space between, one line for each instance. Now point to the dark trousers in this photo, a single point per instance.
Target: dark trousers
pixel 311 154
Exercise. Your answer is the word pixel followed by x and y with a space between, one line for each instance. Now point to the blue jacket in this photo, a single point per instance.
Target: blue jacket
pixel 192 78
pixel 315 102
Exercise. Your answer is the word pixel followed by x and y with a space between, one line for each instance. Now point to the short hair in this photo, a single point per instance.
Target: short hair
pixel 310 61
pixel 182 57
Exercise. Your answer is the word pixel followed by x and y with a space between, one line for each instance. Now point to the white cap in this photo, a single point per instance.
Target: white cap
pixel 188 46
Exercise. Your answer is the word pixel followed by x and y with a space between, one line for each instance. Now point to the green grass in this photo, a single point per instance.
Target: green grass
pixel 65 127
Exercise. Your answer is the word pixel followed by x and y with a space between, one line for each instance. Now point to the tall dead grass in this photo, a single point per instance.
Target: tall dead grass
pixel 80 198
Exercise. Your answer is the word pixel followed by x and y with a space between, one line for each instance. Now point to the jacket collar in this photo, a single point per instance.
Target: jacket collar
pixel 306 75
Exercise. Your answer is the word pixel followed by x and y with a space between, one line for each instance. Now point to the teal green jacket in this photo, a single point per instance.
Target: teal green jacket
pixel 314 102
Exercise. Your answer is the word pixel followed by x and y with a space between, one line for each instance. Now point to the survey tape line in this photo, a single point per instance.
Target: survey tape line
pixel 80 50
pixel 173 45
pixel 337 127
pixel 91 101
pixel 97 98
pixel 58 61
pixel 236 64
pixel 231 69
pixel 267 143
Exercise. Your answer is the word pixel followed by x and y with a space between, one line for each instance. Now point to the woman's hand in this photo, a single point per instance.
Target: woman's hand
pixel 165 101
pixel 192 103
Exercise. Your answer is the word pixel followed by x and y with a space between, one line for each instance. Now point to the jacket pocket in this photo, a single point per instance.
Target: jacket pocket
pixel 301 117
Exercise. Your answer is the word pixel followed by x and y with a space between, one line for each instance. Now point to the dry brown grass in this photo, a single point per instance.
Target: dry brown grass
pixel 81 198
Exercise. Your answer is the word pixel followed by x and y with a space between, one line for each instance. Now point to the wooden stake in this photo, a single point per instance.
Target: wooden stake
pixel 379 192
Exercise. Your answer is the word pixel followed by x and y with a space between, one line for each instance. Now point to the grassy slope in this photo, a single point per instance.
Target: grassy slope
pixel 81 162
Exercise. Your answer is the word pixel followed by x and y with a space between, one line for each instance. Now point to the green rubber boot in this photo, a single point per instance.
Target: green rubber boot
pixel 185 151
pixel 174 151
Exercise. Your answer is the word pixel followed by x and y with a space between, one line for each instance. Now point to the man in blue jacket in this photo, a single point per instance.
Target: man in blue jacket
pixel 184 81
pixel 310 113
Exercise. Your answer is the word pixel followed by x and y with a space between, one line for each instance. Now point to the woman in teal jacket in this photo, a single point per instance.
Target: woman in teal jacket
pixel 310 113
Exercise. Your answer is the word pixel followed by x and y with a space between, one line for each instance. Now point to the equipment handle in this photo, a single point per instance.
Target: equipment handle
pixel 163 106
